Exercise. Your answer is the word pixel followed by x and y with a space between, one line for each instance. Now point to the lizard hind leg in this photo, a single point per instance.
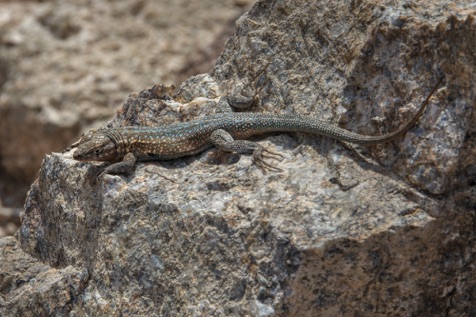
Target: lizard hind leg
pixel 225 142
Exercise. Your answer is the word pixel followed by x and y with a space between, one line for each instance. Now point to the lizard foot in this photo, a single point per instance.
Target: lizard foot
pixel 259 156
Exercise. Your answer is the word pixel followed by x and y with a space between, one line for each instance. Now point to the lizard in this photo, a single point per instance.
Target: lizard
pixel 227 131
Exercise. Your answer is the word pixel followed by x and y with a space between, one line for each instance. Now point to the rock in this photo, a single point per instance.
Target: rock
pixel 386 232
pixel 9 220
pixel 65 67
pixel 31 288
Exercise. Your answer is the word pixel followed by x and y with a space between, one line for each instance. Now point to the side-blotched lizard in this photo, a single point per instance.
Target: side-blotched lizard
pixel 226 131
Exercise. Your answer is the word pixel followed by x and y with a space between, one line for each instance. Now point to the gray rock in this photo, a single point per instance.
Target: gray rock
pixel 335 234
pixel 66 66
pixel 31 288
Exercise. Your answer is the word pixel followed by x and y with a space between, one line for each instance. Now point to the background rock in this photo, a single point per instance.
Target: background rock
pixel 66 66
pixel 335 234
pixel 9 220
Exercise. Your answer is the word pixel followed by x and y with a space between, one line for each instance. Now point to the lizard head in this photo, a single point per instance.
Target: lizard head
pixel 95 146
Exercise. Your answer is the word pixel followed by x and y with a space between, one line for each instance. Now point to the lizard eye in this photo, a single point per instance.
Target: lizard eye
pixel 98 151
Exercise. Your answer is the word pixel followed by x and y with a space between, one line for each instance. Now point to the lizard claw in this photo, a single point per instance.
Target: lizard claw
pixel 260 153
pixel 101 176
pixel 270 154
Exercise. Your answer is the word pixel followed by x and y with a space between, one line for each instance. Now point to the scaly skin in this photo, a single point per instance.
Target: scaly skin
pixel 226 131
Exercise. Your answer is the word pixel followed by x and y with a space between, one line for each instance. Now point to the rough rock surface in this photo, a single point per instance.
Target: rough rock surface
pixel 385 231
pixel 67 64
pixel 31 288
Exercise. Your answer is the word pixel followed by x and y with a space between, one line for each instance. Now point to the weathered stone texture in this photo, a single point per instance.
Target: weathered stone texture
pixel 386 232
pixel 66 65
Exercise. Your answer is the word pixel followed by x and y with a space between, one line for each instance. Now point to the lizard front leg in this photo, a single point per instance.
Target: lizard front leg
pixel 124 167
pixel 225 142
